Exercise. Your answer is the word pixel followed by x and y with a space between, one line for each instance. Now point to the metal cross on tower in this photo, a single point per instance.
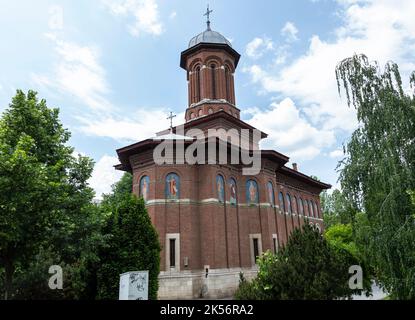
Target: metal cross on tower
pixel 207 14
pixel 171 117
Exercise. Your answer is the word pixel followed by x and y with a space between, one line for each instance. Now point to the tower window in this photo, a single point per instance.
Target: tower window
pixel 228 84
pixel 197 89
pixel 213 68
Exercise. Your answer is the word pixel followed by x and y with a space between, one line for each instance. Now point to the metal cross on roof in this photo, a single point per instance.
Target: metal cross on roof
pixel 171 117
pixel 207 14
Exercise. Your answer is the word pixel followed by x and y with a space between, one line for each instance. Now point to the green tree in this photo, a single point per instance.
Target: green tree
pixel 307 268
pixel 133 245
pixel 378 172
pixel 45 201
pixel 337 209
pixel 120 191
pixel 341 237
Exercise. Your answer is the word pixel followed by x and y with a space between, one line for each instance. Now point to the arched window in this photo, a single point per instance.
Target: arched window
pixel 172 186
pixel 295 206
pixel 228 84
pixel 305 205
pixel 200 113
pixel 198 85
pixel 144 187
pixel 213 72
pixel 289 205
pixel 233 193
pixel 271 197
pixel 282 202
pixel 316 211
pixel 192 115
pixel 310 208
pixel 220 188
pixel 252 195
pixel 210 111
pixel 300 206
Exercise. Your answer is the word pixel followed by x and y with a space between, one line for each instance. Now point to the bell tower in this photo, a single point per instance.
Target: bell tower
pixel 210 63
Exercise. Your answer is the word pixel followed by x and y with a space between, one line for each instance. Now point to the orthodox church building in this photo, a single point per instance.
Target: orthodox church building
pixel 213 220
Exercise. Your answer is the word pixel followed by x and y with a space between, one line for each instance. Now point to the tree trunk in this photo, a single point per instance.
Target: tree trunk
pixel 9 271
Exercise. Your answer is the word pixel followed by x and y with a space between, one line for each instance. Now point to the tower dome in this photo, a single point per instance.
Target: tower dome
pixel 209 36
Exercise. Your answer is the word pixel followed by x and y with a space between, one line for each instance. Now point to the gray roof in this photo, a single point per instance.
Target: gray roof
pixel 209 36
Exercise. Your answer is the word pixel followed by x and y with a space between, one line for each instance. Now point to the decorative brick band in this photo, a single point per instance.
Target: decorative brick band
pixel 162 202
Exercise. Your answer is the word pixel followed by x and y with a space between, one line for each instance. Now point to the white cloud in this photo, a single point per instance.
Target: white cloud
pixel 77 73
pixel 139 126
pixel 258 46
pixel 336 154
pixel 281 54
pixel 105 175
pixel 144 12
pixel 289 132
pixel 384 30
pixel 55 17
pixel 173 15
pixel 289 31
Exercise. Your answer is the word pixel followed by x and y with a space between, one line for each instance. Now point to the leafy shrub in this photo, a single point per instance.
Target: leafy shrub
pixel 307 268
pixel 133 246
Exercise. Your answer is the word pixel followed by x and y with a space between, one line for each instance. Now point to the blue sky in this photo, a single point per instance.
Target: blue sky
pixel 112 67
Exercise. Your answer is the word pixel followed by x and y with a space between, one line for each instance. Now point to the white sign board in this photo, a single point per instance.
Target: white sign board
pixel 134 285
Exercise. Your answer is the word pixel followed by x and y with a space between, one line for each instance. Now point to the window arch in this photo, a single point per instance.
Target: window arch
pixel 289 204
pixel 213 74
pixel 281 201
pixel 200 113
pixel 271 197
pixel 210 111
pixel 144 187
pixel 295 205
pixel 198 84
pixel 220 188
pixel 310 206
pixel 228 84
pixel 233 192
pixel 252 195
pixel 305 205
pixel 172 186
pixel 300 206
pixel 316 211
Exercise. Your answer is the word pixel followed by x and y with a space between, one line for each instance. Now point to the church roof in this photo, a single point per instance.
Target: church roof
pixel 172 136
pixel 209 36
pixel 305 178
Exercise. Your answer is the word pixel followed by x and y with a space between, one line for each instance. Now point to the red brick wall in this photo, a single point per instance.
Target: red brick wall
pixel 211 233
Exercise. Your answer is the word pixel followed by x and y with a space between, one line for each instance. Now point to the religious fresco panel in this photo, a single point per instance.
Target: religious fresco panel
pixel 252 195
pixel 220 188
pixel 233 198
pixel 271 196
pixel 172 187
pixel 144 187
